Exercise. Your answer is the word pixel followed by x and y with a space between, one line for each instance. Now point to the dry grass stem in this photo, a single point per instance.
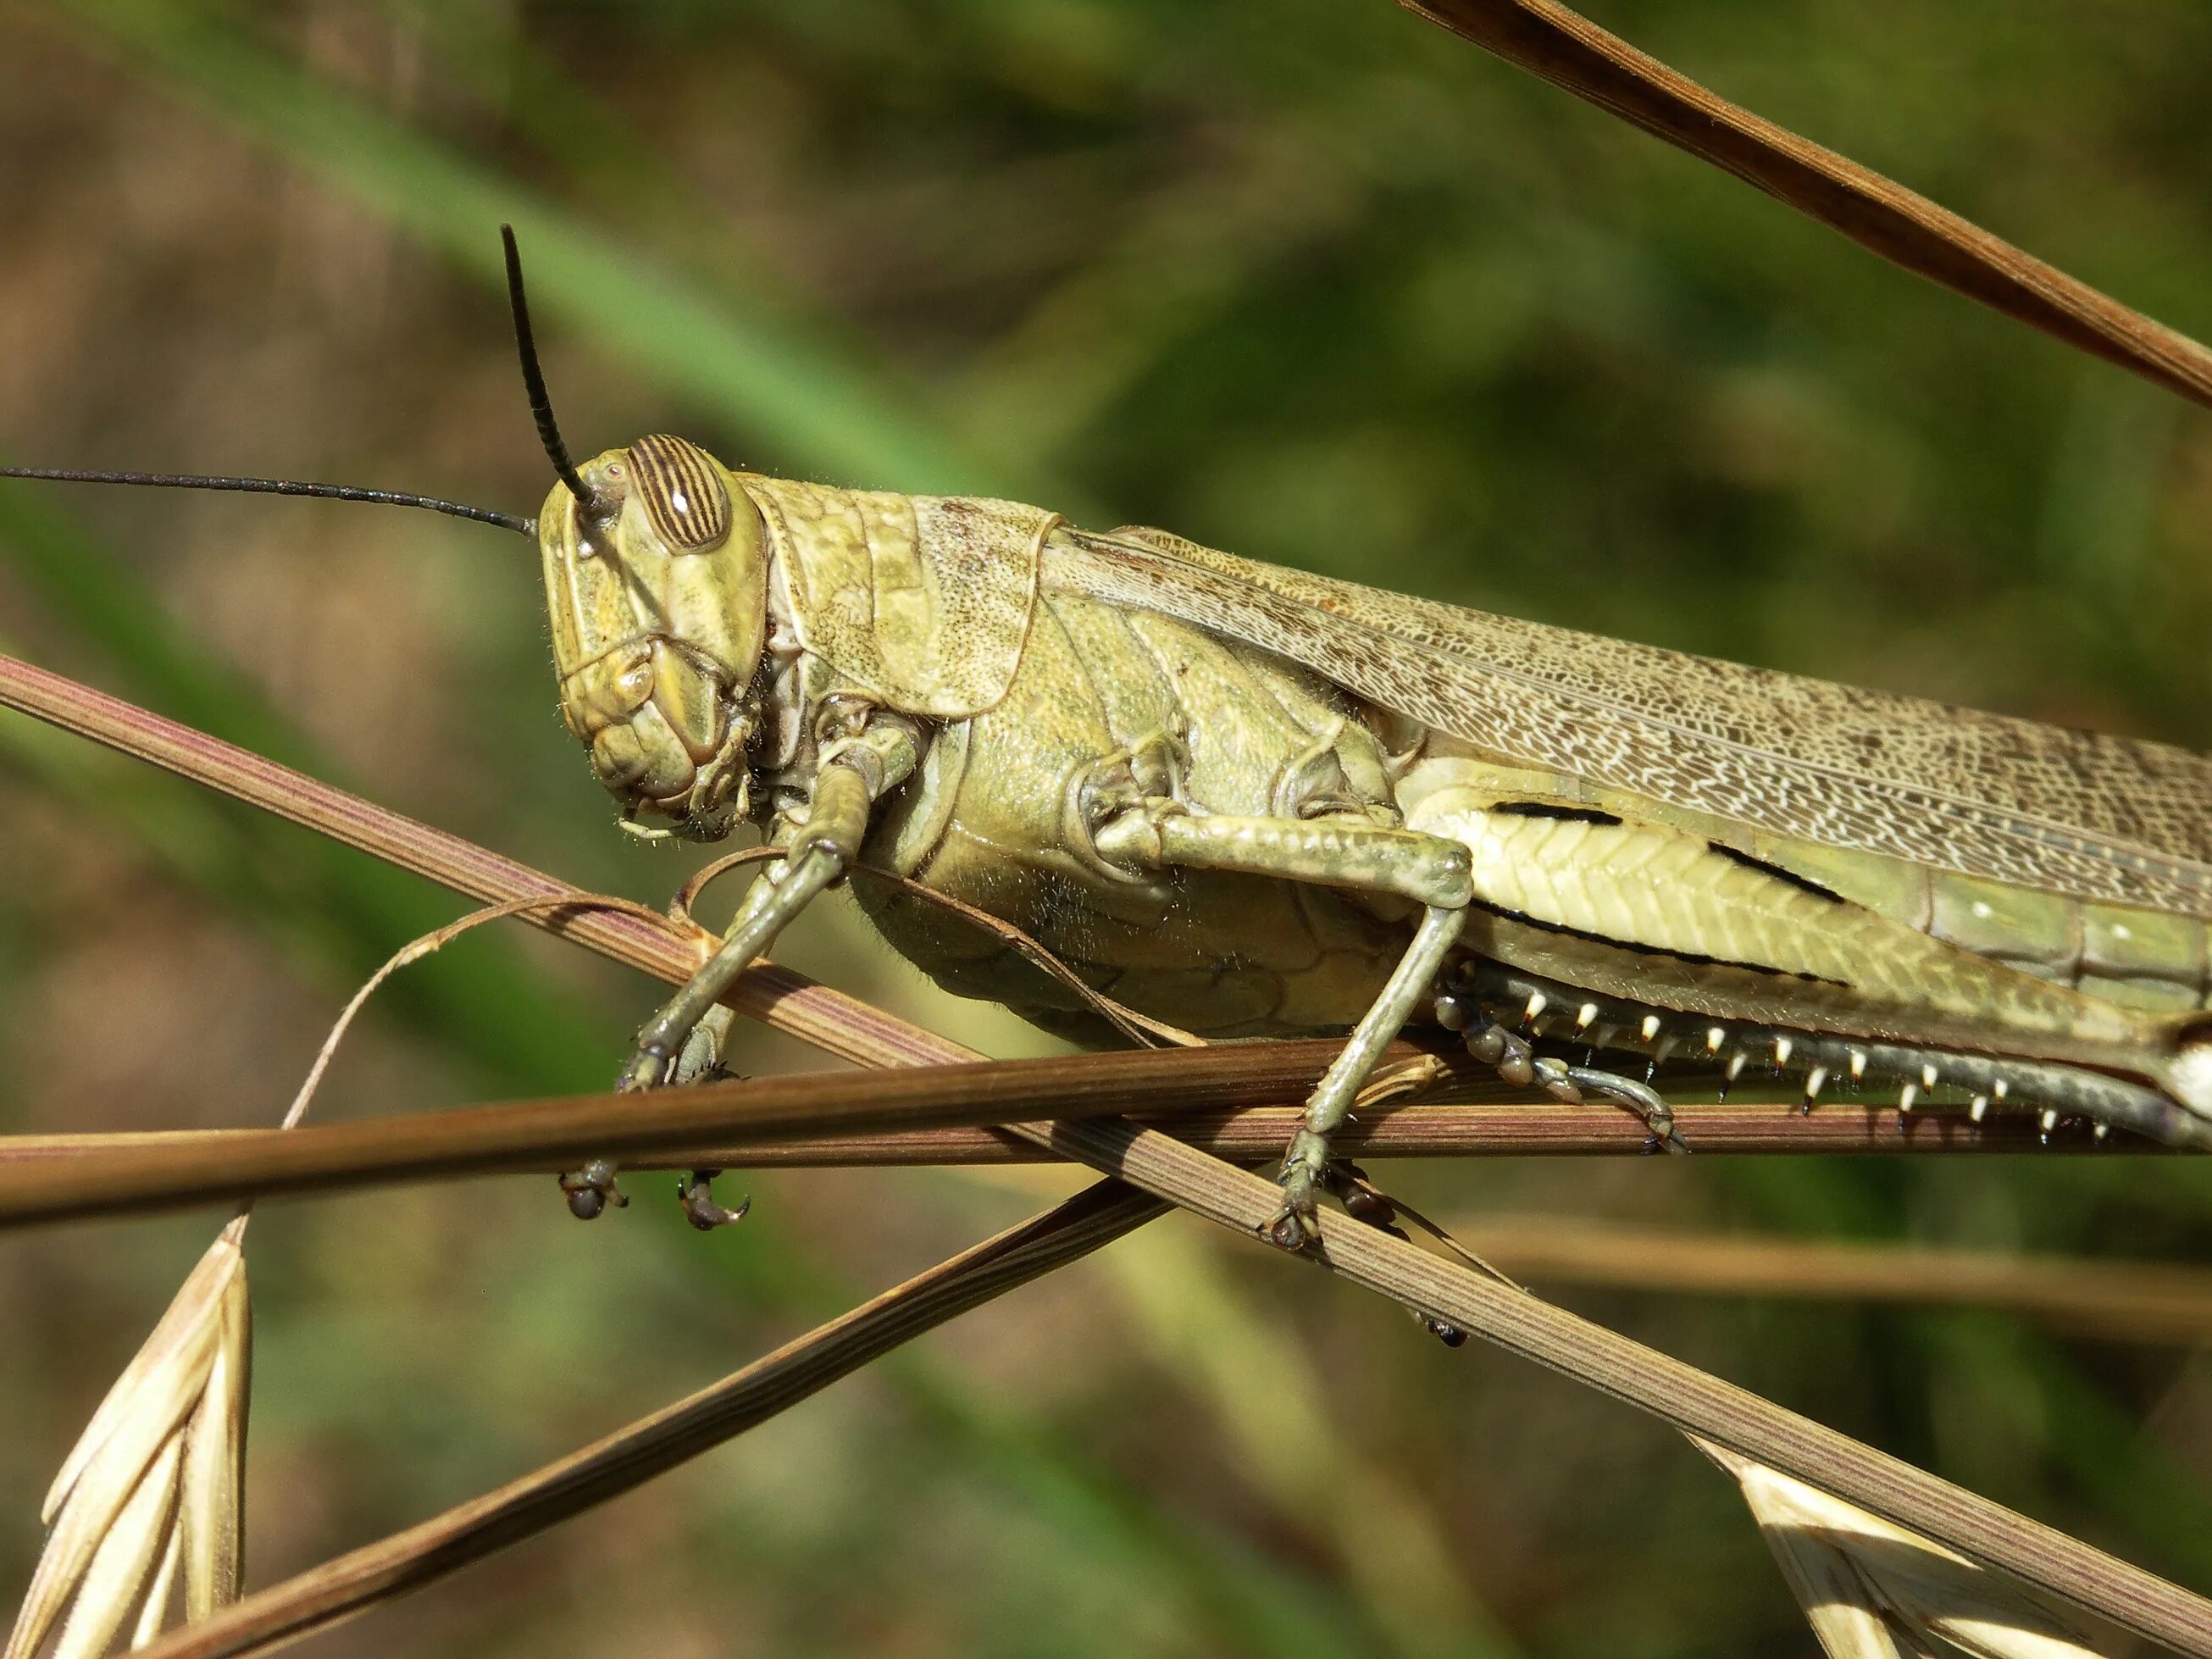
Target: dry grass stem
pixel 1871 1591
pixel 1569 51
pixel 153 1486
pixel 933 1114
pixel 839 1024
pixel 149 1498
pixel 2130 1301
pixel 423 1554
pixel 1507 1127
pixel 1701 1405
pixel 1680 1395
pixel 794 1121
pixel 249 1163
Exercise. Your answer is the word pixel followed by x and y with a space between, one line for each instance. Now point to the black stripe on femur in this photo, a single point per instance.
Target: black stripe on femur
pixel 1545 809
pixel 1631 946
pixel 1803 883
pixel 683 490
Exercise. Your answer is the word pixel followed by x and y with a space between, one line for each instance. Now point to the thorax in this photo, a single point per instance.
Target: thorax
pixel 994 817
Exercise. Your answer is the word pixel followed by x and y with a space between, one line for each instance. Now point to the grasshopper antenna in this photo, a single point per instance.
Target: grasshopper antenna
pixel 276 487
pixel 533 377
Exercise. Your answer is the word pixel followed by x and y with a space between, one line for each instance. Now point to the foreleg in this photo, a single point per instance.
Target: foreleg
pixel 819 849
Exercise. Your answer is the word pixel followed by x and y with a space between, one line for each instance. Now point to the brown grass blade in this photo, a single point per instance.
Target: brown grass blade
pixel 1246 1204
pixel 408 1560
pixel 1905 228
pixel 546 1134
pixel 1691 1399
pixel 2130 1301
pixel 819 1121
pixel 831 1021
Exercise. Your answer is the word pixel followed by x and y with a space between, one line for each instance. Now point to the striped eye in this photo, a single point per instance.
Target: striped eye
pixel 683 492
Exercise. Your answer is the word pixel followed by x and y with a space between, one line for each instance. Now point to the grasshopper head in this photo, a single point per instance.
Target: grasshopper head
pixel 657 583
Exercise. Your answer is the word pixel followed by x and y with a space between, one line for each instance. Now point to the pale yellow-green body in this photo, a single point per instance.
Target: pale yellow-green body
pixel 1224 794
pixel 1910 953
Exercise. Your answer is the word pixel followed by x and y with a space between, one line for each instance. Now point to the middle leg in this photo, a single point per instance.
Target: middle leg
pixel 1337 850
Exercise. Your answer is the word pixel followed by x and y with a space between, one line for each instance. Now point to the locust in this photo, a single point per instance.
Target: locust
pixel 1256 802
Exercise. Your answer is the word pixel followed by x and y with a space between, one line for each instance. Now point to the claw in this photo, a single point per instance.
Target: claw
pixel 1288 1232
pixel 1304 1169
pixel 591 1189
pixel 696 1193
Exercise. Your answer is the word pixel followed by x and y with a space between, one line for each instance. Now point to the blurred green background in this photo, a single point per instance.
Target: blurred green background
pixel 1306 279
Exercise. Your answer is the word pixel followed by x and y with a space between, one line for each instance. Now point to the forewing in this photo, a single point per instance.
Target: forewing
pixel 2073 812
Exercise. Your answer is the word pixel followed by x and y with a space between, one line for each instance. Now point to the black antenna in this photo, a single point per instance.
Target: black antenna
pixel 276 487
pixel 533 377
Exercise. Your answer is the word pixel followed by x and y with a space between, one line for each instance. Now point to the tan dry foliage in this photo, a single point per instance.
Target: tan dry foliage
pixel 154 1488
pixel 1874 1590
pixel 156 1481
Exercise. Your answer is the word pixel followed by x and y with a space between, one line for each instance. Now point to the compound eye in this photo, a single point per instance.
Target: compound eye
pixel 681 489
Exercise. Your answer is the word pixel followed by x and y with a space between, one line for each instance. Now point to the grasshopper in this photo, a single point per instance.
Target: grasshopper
pixel 1259 802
